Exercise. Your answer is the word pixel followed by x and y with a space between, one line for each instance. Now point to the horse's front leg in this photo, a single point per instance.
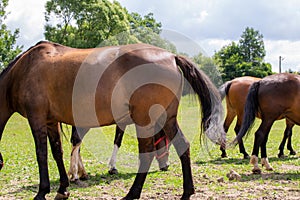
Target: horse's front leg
pixel 255 151
pixel 161 145
pixel 76 170
pixel 289 144
pixel 286 135
pixel 117 144
pixel 57 152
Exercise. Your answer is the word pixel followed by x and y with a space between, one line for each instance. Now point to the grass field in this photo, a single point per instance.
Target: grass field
pixel 19 177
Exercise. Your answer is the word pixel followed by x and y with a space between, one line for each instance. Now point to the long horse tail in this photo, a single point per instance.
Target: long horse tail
pixel 223 89
pixel 250 111
pixel 209 98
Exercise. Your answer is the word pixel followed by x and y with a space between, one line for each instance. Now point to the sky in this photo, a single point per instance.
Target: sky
pixel 208 24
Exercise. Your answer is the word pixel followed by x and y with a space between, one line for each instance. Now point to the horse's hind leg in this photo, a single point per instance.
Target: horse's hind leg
pixel 38 127
pixel 57 152
pixel 146 155
pixel 260 141
pixel 182 147
pixel 228 120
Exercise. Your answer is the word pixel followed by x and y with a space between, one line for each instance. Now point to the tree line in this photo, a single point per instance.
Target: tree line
pixel 94 23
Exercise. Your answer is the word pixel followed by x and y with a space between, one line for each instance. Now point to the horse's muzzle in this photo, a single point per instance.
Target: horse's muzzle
pixel 1 161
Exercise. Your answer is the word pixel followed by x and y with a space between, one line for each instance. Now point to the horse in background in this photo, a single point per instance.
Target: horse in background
pixel 77 170
pixel 236 92
pixel 51 83
pixel 272 98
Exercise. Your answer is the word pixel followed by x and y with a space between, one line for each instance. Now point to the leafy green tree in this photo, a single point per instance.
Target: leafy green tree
pixel 208 66
pixel 8 49
pixel 142 29
pixel 228 59
pixel 84 23
pixel 251 45
pixel 245 58
pixel 91 23
pixel 137 22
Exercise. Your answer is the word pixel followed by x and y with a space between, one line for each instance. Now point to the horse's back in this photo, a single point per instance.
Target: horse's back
pixel 66 81
pixel 279 95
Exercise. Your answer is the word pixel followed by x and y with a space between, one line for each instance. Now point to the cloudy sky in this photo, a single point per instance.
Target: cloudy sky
pixel 210 24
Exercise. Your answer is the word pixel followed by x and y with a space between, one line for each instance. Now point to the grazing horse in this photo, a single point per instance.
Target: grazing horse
pixel 77 170
pixel 132 84
pixel 236 92
pixel 272 98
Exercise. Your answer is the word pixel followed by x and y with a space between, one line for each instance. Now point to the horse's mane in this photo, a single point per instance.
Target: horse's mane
pixel 13 62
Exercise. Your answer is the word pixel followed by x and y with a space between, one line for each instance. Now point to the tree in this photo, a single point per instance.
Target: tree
pixel 91 23
pixel 245 58
pixel 84 23
pixel 208 66
pixel 228 59
pixel 8 49
pixel 252 48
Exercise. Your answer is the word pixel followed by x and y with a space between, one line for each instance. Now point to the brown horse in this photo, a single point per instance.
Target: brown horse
pixel 77 170
pixel 272 98
pixel 236 92
pixel 133 84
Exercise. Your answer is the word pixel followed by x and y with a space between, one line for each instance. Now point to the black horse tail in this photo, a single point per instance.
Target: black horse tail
pixel 250 111
pixel 223 89
pixel 209 98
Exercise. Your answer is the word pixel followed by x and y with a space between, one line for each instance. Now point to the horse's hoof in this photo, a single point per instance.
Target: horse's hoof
pixel 292 153
pixel 164 169
pixel 256 171
pixel 60 196
pixel 269 169
pixel 224 155
pixel 84 177
pixel 186 196
pixel 74 180
pixel 113 171
pixel 281 156
pixel 246 156
pixel 39 198
pixel 128 197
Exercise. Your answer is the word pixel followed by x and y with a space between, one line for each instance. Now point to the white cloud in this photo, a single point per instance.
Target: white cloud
pixel 289 50
pixel 28 16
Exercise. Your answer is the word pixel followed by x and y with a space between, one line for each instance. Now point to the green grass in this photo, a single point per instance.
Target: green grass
pixel 19 178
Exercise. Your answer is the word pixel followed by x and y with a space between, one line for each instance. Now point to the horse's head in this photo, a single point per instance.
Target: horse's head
pixel 1 161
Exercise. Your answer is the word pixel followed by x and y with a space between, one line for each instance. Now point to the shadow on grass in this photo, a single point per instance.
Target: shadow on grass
pixel 265 175
pixel 93 180
pixel 240 161
pixel 105 178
